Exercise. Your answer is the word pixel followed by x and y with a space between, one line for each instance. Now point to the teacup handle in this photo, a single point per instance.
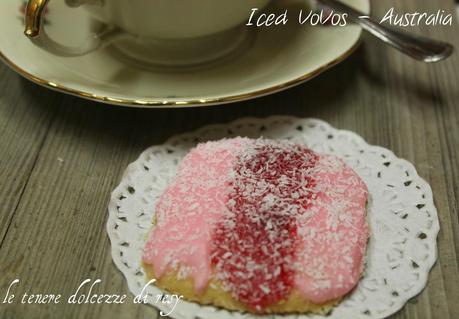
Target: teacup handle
pixel 34 30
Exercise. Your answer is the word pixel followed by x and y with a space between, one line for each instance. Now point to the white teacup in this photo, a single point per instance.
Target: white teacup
pixel 165 32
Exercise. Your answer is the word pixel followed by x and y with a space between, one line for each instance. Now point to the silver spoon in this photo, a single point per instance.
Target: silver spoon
pixel 418 47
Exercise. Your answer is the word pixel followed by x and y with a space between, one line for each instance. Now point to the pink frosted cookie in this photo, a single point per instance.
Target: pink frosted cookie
pixel 261 226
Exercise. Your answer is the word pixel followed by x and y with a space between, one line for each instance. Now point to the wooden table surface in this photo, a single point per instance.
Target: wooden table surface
pixel 60 157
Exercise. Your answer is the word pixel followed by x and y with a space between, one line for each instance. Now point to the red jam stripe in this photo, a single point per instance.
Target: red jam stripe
pixel 254 244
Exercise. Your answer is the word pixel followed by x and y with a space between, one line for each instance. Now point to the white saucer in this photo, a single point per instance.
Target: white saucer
pixel 278 58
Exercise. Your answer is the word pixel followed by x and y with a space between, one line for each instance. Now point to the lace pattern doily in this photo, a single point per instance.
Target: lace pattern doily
pixel 402 216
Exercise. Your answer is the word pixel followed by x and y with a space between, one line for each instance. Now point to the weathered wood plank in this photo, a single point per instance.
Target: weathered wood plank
pixel 23 128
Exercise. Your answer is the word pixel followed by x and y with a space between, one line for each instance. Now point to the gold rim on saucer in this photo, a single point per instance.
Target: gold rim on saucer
pixel 266 69
pixel 182 103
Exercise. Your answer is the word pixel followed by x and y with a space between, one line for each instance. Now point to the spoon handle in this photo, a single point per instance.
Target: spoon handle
pixel 418 47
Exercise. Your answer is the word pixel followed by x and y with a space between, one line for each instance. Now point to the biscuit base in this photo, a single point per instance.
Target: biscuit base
pixel 215 295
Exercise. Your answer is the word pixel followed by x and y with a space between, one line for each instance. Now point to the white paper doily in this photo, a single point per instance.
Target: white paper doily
pixel 401 213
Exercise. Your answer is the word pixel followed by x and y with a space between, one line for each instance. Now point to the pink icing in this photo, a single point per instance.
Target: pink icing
pixel 333 239
pixel 187 211
pixel 331 230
